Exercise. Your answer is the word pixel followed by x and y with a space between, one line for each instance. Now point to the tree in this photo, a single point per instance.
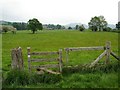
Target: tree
pixel 77 27
pixel 97 23
pixel 34 25
pixel 103 23
pixel 69 27
pixel 82 28
pixel 58 26
pixel 118 25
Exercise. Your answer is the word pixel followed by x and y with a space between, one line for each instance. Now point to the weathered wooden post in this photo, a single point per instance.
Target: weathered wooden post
pixel 108 50
pixel 67 53
pixel 20 58
pixel 17 59
pixel 14 59
pixel 60 60
pixel 29 62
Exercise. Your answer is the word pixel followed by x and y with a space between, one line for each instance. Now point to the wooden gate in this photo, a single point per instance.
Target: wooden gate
pixel 107 52
pixel 45 68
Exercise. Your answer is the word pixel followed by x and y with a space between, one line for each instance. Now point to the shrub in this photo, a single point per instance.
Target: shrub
pixel 108 29
pixel 6 28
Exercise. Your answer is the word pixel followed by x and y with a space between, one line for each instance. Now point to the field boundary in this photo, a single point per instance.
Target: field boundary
pixel 18 62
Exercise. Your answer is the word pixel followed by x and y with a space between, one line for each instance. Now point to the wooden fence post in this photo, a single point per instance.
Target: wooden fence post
pixel 14 59
pixel 60 59
pixel 17 59
pixel 67 53
pixel 20 58
pixel 29 62
pixel 108 50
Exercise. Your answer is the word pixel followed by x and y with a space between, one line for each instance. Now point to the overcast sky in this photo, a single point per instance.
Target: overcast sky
pixel 58 11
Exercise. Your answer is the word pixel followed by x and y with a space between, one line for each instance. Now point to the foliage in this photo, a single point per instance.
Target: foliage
pixel 20 26
pixel 118 25
pixel 108 29
pixel 34 25
pixel 97 23
pixel 52 26
pixel 81 28
pixel 77 27
pixel 69 27
pixel 58 26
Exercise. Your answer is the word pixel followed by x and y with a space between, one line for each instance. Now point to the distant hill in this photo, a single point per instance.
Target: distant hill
pixel 86 26
pixel 112 26
pixel 5 22
pixel 74 24
pixel 2 22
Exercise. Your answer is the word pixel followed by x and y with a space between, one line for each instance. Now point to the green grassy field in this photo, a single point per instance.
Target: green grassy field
pixel 53 41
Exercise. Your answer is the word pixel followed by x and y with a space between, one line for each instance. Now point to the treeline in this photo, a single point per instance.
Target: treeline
pixel 17 25
pixel 52 26
pixel 97 23
pixel 20 26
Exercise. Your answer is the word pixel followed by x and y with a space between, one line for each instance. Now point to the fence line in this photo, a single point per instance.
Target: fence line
pixel 18 63
pixel 106 53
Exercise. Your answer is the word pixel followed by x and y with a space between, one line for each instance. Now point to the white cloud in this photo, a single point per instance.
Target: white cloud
pixel 59 11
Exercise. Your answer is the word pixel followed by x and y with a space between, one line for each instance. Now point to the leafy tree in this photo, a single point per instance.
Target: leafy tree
pixel 34 25
pixel 77 27
pixel 118 25
pixel 97 23
pixel 103 23
pixel 69 27
pixel 82 28
pixel 58 26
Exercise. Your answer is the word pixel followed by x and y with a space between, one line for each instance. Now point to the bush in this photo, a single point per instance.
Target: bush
pixel 6 28
pixel 108 29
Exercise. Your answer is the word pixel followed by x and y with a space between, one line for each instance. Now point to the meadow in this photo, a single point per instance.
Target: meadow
pixel 53 40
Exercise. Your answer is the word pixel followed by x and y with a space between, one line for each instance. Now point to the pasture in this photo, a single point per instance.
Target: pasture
pixel 53 40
